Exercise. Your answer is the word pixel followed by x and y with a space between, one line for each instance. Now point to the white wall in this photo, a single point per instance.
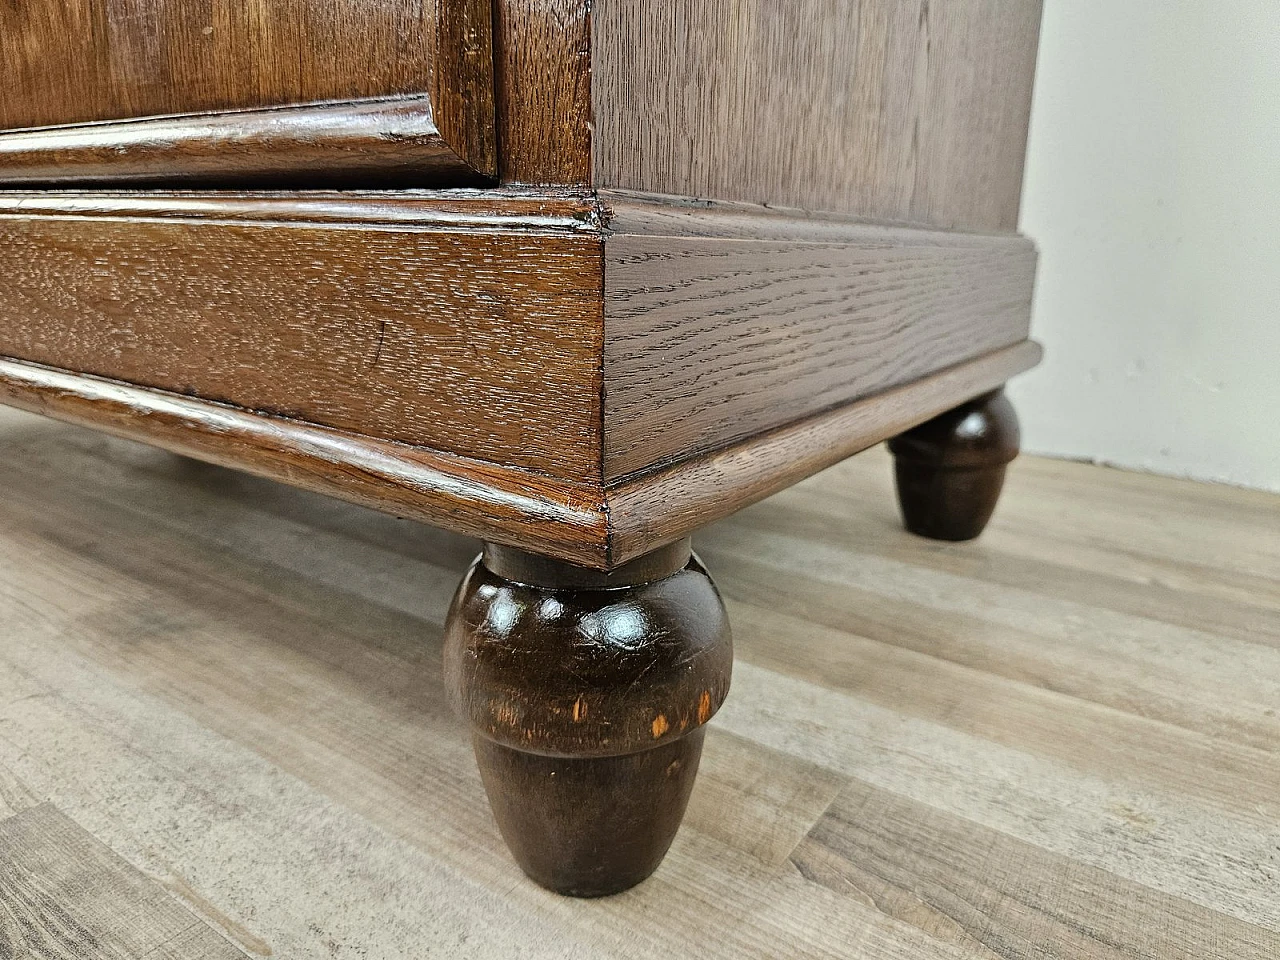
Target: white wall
pixel 1153 191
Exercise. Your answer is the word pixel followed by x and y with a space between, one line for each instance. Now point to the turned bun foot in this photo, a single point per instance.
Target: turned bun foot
pixel 950 470
pixel 589 827
pixel 588 694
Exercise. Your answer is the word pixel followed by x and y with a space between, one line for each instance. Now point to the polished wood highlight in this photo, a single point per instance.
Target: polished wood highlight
pixel 904 110
pixel 83 61
pixel 521 210
pixel 722 323
pixel 1058 740
pixel 589 827
pixel 587 695
pixel 419 320
pixel 470 496
pixel 951 469
pixel 376 142
pixel 888 109
pixel 474 322
pixel 673 502
pixel 597 526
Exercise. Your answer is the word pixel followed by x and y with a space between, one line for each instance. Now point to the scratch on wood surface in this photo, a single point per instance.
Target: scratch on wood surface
pixel 15 795
pixel 237 931
pixel 377 350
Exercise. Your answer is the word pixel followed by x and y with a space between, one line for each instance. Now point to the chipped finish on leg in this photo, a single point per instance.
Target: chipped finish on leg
pixel 587 693
pixel 951 469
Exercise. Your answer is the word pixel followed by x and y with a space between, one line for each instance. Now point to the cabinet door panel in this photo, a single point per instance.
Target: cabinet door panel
pixel 272 73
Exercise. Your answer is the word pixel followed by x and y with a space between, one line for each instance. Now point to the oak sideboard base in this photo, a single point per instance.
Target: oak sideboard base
pixel 587 694
pixel 950 470
pixel 576 278
pixel 595 524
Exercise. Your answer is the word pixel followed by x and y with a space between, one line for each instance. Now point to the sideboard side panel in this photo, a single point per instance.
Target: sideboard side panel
pixel 720 325
pixel 901 110
pixel 661 506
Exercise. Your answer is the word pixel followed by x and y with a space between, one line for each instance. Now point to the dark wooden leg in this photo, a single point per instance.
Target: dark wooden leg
pixel 950 470
pixel 587 694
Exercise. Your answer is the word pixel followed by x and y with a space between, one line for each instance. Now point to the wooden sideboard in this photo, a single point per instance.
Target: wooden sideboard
pixel 575 279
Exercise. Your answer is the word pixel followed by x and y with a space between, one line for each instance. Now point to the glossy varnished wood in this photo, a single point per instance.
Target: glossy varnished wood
pixel 84 61
pixel 367 143
pixel 598 526
pixel 902 110
pixel 472 496
pixel 491 324
pixel 590 827
pixel 951 469
pixel 418 318
pixel 523 210
pixel 587 694
pixel 1056 741
pixel 515 363
pixel 542 51
pixel 722 322
pixel 890 109
pixel 672 502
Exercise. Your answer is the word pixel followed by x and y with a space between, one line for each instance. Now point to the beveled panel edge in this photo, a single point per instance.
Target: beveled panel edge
pixel 484 500
pixel 654 509
pixel 471 252
pixel 382 142
pixel 528 210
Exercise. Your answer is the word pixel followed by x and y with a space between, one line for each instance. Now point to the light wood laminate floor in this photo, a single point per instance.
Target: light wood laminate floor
pixel 222 730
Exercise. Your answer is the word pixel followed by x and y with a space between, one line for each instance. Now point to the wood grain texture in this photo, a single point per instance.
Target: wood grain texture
pixel 15 795
pixel 368 143
pixel 947 631
pixel 410 806
pixel 711 337
pixel 65 896
pixel 904 110
pixel 1002 898
pixel 423 329
pixel 87 60
pixel 482 499
pixel 488 324
pixel 759 801
pixel 599 673
pixel 1026 729
pixel 513 209
pixel 662 506
pixel 463 96
pixel 542 53
pixel 597 526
